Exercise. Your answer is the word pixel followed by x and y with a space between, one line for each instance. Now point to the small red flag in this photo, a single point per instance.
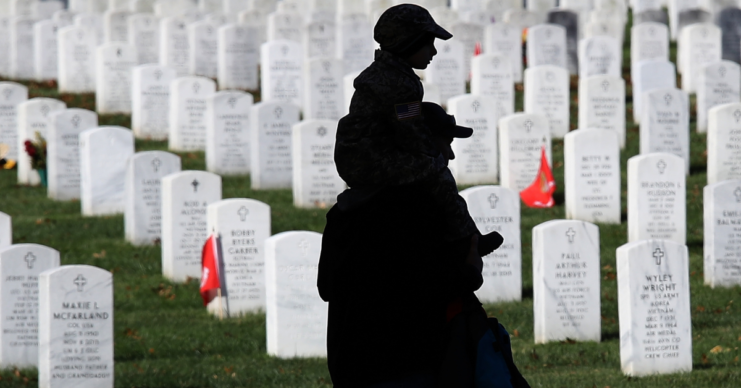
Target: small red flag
pixel 210 273
pixel 540 192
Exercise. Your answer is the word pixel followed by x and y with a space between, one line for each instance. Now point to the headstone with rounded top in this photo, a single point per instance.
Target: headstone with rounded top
pixel 228 132
pixel 238 58
pixel 63 151
pixel 188 96
pixel 11 94
pixel 33 116
pixel 185 198
pixel 114 62
pixel 143 33
pixel 476 158
pixel 497 209
pixel 20 266
pixel 724 143
pixel 143 195
pixel 271 163
pixel 722 247
pixel 104 152
pixel 6 231
pixel 505 39
pixel 316 182
pixel 719 83
pixel 447 70
pixel 547 94
pixel 665 126
pixel 76 56
pixel 522 137
pixel 602 104
pixel 281 66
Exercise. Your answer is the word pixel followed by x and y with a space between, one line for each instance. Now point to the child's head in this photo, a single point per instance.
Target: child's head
pixel 409 31
pixel 443 128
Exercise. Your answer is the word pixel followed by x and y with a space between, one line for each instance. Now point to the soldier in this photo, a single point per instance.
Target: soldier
pixel 383 141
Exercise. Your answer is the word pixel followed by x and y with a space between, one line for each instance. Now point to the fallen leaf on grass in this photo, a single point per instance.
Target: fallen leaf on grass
pixel 607 267
pixel 151 350
pixel 99 255
pixel 228 369
pixel 700 308
pixel 716 349
pixel 735 360
pixel 516 333
pixel 704 358
pixel 610 276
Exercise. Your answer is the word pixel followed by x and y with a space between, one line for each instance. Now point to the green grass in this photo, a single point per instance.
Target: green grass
pixel 165 338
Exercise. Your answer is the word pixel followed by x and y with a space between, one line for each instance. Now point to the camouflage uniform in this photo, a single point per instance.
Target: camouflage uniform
pixel 375 148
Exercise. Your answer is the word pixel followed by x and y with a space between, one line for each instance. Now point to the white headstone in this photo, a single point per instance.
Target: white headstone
pixel 316 182
pixel 76 318
pixel 722 248
pixel 432 93
pixel 115 26
pixel 104 152
pixel 323 89
pixel 718 83
pixel 185 198
pixel 649 42
pixel 651 75
pixel 238 57
pixel 611 27
pixel 602 104
pixel 45 50
pixel 521 138
pixel 21 48
pixel 470 35
pixel 592 175
pixel 143 195
pixel 258 20
pixel 285 25
pixel 724 143
pixel 497 209
pixel 143 29
pixel 150 98
pixel 506 40
pixel 656 198
pixel 700 44
pixel 547 94
pixel 42 10
pixel 93 21
pixel 187 120
pixel 295 315
pixel 243 225
pixel 174 46
pixel 546 45
pixel 320 39
pixel 355 42
pixel 114 62
pixel 203 54
pixel 20 266
pixel 654 308
pixel 447 70
pixel 11 94
pixel 228 132
pixel 64 17
pixel 600 55
pixel 476 158
pixel 33 116
pixel 63 151
pixel 271 144
pixel 566 281
pixel 6 231
pixel 281 66
pixel 5 46
pixel 76 56
pixel 491 76
pixel 665 126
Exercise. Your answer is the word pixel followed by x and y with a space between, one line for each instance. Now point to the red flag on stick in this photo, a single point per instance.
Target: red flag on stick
pixel 210 284
pixel 540 192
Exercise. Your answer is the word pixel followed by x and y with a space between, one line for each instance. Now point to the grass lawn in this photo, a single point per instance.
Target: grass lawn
pixel 165 338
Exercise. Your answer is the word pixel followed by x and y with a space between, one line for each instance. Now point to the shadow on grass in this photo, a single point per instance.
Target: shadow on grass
pixel 613 335
pixel 527 293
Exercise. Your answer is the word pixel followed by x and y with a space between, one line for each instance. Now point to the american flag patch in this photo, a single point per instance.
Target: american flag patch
pixel 409 110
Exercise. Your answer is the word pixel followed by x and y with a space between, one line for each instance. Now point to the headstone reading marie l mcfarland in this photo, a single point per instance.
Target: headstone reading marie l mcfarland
pixel 76 327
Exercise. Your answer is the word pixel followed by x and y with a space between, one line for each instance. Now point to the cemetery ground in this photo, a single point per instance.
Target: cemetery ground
pixel 165 338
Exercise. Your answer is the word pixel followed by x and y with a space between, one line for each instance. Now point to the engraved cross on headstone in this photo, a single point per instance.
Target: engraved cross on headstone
pixel 605 85
pixel 528 125
pixel 75 120
pixel 493 199
pixel 737 114
pixel 722 71
pixel 45 110
pixel 475 106
pixel 80 282
pixel 156 163
pixel 7 93
pixel 195 185
pixel 668 99
pixel 304 246
pixel 737 193
pixel 571 233
pixel 29 259
pixel 243 212
pixel 661 165
pixel 658 255
pixel 278 112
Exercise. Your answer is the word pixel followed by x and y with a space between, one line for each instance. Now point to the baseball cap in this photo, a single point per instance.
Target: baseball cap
pixel 441 123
